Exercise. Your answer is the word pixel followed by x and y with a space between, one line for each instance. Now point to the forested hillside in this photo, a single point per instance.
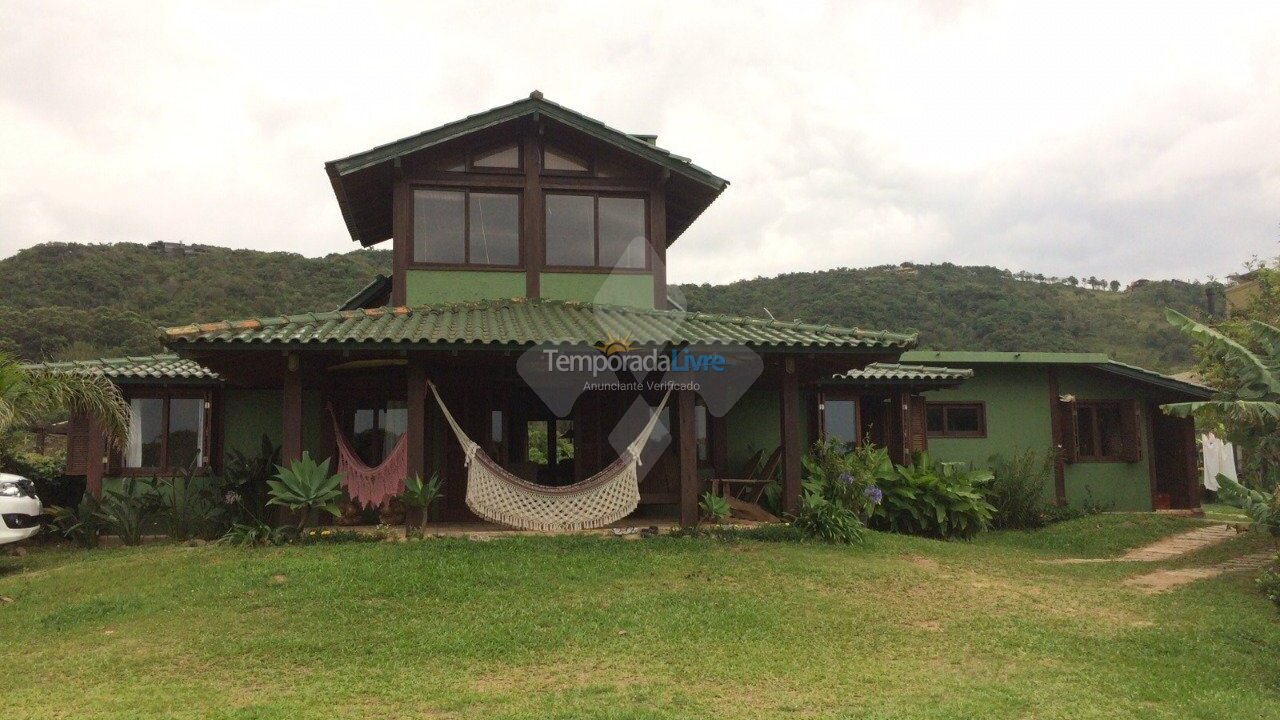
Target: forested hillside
pixel 76 301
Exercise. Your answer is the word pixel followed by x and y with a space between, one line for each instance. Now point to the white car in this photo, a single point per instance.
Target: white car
pixel 20 509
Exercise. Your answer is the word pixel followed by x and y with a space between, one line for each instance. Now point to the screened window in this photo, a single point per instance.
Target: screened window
pixel 462 227
pixel 840 420
pixel 165 433
pixel 957 420
pixel 594 231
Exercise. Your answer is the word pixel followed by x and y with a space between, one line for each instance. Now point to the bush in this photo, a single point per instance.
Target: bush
pixel 934 499
pixel 1269 583
pixel 124 511
pixel 189 506
pixel 821 519
pixel 80 523
pixel 1017 490
pixel 714 508
pixel 845 476
pixel 45 471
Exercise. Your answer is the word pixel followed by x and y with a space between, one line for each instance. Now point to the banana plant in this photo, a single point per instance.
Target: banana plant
pixel 305 487
pixel 1255 403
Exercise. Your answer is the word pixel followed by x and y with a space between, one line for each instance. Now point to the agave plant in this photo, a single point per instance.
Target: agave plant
pixel 714 507
pixel 305 487
pixel 419 494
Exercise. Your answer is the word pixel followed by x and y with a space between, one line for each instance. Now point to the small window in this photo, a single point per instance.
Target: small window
pixel 377 428
pixel 539 448
pixel 505 158
pixel 1101 433
pixel 461 227
pixel 559 161
pixel 956 420
pixel 165 433
pixel 840 420
pixel 701 434
pixel 592 231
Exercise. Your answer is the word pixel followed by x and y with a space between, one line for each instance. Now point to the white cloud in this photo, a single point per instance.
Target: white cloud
pixel 1102 139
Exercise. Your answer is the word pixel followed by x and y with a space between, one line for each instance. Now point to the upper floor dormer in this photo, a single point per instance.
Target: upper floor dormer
pixel 529 199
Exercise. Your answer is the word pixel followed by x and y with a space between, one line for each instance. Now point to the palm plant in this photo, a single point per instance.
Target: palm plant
pixel 305 487
pixel 29 394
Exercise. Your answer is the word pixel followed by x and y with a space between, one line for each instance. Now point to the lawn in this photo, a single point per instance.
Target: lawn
pixel 609 628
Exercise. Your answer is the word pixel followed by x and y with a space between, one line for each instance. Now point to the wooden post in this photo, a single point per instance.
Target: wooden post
pixel 416 423
pixel 291 395
pixel 534 243
pixel 687 456
pixel 95 459
pixel 789 412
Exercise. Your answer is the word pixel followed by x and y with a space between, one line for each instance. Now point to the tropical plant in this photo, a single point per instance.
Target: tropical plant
pixel 1262 508
pixel 125 511
pixel 305 487
pixel 28 395
pixel 245 480
pixel 934 499
pixel 80 523
pixel 256 533
pixel 846 476
pixel 714 508
pixel 1269 583
pixel 1017 490
pixel 186 507
pixel 818 518
pixel 419 494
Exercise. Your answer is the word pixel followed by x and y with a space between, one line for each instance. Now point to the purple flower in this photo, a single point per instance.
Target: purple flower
pixel 874 494
pixel 846 478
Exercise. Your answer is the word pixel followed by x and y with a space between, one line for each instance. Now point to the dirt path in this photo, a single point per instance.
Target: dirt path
pixel 1167 548
pixel 1161 580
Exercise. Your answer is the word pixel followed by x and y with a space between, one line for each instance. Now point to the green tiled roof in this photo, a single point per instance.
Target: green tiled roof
pixel 519 321
pixel 144 367
pixel 897 372
pixel 1099 361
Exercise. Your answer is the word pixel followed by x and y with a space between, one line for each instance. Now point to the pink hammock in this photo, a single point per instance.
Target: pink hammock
pixel 371 486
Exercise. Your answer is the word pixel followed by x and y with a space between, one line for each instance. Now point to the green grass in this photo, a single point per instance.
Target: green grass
pixel 1225 513
pixel 608 628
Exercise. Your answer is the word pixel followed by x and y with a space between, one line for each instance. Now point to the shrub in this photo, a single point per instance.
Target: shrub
pixel 1017 490
pixel 125 511
pixel 245 481
pixel 845 476
pixel 418 494
pixel 934 499
pixel 1269 583
pixel 187 507
pixel 305 487
pixel 45 471
pixel 253 534
pixel 821 519
pixel 714 508
pixel 80 523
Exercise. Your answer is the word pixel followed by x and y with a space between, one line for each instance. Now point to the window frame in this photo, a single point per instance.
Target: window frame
pixel 1096 431
pixel 466 191
pixel 946 406
pixel 469 160
pixel 596 267
pixel 117 466
pixel 850 397
pixel 587 158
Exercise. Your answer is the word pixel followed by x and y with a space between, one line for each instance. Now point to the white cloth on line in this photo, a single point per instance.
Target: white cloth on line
pixel 1219 457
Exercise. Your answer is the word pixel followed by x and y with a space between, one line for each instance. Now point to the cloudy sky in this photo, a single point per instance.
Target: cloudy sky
pixel 1104 139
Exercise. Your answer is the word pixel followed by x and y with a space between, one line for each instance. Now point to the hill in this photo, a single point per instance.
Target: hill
pixel 68 300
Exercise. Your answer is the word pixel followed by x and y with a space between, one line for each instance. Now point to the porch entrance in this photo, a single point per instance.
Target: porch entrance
pixel 1175 477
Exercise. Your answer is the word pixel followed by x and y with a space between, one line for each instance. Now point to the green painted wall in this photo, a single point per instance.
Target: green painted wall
pixel 1018 417
pixel 423 287
pixel 247 415
pixel 1126 485
pixel 604 288
pixel 751 425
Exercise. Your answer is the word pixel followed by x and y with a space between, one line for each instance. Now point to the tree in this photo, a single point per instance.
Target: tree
pixel 1115 286
pixel 29 395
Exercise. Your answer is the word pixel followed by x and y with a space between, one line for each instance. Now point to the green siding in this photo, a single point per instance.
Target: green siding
pixel 426 287
pixel 601 288
pixel 247 415
pixel 751 425
pixel 1018 417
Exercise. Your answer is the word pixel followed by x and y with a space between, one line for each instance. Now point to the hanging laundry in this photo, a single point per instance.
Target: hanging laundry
pixel 1219 458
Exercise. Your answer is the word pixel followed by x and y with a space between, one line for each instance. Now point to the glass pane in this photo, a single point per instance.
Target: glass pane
pixel 495 229
pixel 1084 432
pixel 934 417
pixel 536 447
pixel 564 440
pixel 839 420
pixel 622 236
pixel 504 157
pixel 1111 431
pixel 571 230
pixel 701 439
pixel 186 432
pixel 366 439
pixel 393 421
pixel 438 223
pixel 495 426
pixel 557 161
pixel 146 433
pixel 965 419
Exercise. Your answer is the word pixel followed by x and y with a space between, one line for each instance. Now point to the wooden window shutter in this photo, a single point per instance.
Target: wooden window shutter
pixel 918 433
pixel 1131 424
pixel 78 445
pixel 1067 425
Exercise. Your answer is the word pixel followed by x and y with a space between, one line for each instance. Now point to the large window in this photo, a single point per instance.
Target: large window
pixel 166 433
pixel 376 430
pixel 465 227
pixel 596 231
pixel 840 419
pixel 956 419
pixel 1101 433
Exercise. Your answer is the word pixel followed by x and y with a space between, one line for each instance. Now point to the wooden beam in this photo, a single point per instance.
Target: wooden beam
pixel 533 243
pixel 291 396
pixel 402 242
pixel 792 448
pixel 416 422
pixel 687 456
pixel 657 223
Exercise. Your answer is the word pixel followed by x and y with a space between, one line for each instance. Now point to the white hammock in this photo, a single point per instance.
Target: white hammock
pixel 498 496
